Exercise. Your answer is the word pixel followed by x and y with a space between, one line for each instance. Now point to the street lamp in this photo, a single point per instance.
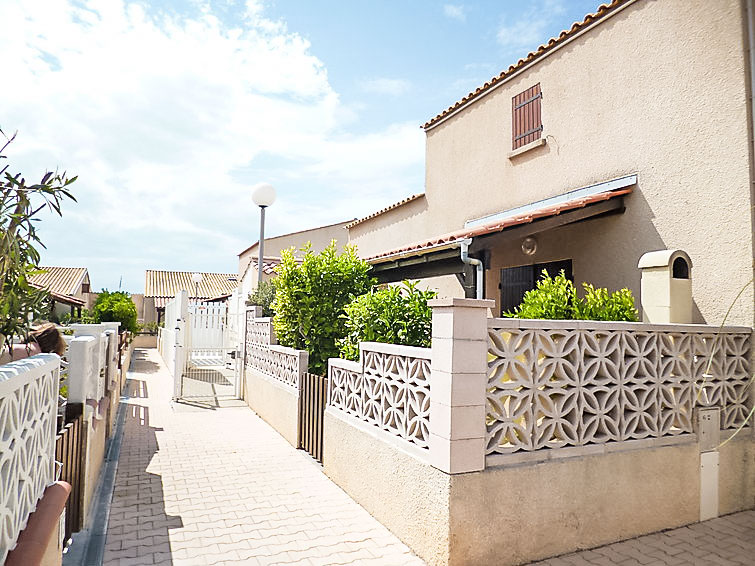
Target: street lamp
pixel 263 195
pixel 197 278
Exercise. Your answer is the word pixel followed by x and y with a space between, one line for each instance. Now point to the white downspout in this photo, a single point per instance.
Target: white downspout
pixel 472 261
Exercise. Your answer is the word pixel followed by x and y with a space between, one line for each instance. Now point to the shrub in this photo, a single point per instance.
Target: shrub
pixel 552 298
pixel 599 304
pixel 263 296
pixel 310 298
pixel 556 298
pixel 116 307
pixel 393 315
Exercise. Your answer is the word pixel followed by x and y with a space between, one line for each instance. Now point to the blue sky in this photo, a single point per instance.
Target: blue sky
pixel 170 111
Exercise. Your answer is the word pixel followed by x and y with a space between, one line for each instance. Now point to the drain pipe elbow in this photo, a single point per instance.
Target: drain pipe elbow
pixel 464 247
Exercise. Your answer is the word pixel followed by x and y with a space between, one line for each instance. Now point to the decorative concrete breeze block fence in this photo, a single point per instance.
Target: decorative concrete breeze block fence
pixel 553 384
pixel 497 388
pixel 389 387
pixel 28 415
pixel 263 353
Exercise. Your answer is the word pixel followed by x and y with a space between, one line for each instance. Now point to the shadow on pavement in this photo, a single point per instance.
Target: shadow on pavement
pixel 138 529
pixel 140 363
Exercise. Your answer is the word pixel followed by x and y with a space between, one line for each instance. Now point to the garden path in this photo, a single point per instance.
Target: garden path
pixel 219 486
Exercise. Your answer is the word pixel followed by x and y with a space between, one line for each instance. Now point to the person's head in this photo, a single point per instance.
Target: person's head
pixel 49 338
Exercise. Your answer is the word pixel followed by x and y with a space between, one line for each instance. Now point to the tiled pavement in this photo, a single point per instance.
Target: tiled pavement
pixel 726 541
pixel 202 486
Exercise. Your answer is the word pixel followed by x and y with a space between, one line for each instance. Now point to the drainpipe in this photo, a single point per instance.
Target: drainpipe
pixel 472 261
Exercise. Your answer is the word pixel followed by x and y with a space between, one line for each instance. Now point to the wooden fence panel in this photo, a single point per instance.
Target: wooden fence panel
pixel 312 399
pixel 70 450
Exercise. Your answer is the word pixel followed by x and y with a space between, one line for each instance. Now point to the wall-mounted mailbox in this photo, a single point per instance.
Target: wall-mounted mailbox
pixel 666 290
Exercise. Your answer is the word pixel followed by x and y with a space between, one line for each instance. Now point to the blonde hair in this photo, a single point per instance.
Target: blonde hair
pixel 49 338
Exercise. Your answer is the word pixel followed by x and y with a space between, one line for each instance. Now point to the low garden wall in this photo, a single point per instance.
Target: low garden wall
pixel 515 440
pixel 272 376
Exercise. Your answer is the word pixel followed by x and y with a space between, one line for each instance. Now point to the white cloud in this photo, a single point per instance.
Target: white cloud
pixel 391 87
pixel 168 120
pixel 455 12
pixel 528 31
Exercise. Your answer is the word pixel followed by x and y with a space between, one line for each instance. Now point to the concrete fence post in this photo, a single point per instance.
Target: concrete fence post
pixel 458 382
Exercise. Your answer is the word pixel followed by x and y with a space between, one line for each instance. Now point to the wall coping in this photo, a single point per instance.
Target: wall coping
pixel 458 302
pixel 395 349
pixel 522 323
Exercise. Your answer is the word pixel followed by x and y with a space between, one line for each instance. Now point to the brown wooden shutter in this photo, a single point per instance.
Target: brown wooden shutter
pixel 526 122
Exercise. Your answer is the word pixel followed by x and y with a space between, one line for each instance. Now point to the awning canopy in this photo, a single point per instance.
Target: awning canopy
pixel 440 255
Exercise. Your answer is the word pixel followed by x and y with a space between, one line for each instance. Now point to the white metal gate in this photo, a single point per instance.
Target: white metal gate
pixel 212 365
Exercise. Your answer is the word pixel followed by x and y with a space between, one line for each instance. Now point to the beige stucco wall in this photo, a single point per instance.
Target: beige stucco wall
pixel 517 514
pixel 319 237
pixel 409 497
pixel 736 468
pixel 658 90
pixel 95 446
pixel 145 341
pixel 274 402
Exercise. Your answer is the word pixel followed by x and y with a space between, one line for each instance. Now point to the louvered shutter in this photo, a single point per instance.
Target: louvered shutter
pixel 526 121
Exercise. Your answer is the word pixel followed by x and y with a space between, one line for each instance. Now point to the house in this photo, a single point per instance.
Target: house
pixel 319 237
pixel 69 288
pixel 627 133
pixel 161 286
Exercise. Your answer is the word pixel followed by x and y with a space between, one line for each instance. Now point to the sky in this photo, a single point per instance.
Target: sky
pixel 170 111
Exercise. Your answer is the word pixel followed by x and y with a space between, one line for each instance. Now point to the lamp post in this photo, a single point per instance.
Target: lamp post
pixel 197 278
pixel 263 195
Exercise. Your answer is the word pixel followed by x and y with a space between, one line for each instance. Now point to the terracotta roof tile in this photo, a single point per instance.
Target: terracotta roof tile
pixel 588 20
pixel 168 283
pixel 497 226
pixel 386 209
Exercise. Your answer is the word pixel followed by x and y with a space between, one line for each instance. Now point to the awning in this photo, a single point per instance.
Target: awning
pixel 67 299
pixel 440 255
pixel 505 220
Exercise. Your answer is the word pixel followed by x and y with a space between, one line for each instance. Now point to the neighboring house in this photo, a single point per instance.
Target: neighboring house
pixel 69 288
pixel 319 237
pixel 629 132
pixel 161 286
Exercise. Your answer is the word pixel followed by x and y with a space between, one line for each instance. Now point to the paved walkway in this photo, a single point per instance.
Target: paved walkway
pixel 203 486
pixel 726 541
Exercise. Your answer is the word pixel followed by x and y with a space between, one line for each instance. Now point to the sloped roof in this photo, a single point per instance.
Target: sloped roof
pixel 453 238
pixel 386 209
pixel 554 42
pixel 168 283
pixel 60 280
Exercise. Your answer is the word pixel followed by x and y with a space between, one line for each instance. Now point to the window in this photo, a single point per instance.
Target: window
pixel 516 281
pixel 85 287
pixel 526 121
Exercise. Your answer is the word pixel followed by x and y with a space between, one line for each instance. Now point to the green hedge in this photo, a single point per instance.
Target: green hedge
pixel 556 298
